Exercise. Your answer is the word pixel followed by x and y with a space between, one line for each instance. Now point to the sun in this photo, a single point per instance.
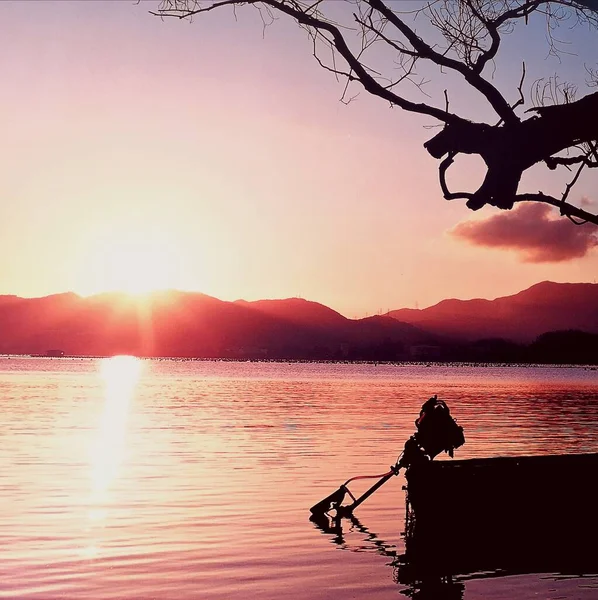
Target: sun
pixel 137 268
pixel 134 262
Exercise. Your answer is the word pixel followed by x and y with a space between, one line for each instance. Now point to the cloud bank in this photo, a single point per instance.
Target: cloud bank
pixel 530 231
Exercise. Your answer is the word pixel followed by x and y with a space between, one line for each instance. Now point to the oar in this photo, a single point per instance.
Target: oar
pixel 334 500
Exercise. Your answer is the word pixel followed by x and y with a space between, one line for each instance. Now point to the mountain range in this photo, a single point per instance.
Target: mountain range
pixel 186 324
pixel 189 324
pixel 544 307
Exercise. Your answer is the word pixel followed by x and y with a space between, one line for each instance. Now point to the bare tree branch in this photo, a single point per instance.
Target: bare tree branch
pixel 567 210
pixel 560 131
pixel 472 77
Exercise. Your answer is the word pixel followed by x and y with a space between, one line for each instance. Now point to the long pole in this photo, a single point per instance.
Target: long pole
pixel 347 510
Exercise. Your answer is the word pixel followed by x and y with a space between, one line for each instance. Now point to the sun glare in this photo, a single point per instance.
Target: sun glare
pixel 120 375
pixel 133 263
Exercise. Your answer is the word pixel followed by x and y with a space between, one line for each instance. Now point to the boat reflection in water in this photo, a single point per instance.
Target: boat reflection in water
pixel 480 518
pixel 432 588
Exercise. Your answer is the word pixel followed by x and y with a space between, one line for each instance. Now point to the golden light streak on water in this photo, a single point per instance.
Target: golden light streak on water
pixel 120 375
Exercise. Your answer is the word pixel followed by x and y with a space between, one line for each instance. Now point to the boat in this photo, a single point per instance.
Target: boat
pixel 485 516
pixel 503 515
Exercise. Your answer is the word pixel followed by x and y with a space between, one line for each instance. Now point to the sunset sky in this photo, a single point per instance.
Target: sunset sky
pixel 140 154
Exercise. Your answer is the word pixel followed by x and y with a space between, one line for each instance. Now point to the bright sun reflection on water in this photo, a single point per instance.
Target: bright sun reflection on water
pixel 120 375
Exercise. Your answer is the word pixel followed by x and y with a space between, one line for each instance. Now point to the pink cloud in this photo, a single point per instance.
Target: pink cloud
pixel 533 232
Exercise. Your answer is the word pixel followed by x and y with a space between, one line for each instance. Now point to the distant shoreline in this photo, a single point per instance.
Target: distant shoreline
pixel 478 364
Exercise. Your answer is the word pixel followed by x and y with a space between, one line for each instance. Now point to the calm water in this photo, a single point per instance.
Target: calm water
pixel 176 480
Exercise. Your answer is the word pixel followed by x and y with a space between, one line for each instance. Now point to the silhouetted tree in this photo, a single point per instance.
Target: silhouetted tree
pixel 565 347
pixel 462 37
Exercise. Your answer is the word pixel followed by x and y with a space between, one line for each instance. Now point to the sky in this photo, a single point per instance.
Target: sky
pixel 141 154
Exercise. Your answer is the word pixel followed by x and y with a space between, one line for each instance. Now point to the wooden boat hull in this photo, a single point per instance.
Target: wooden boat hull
pixel 501 515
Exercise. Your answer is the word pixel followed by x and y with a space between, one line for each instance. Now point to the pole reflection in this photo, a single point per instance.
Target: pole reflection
pixel 434 588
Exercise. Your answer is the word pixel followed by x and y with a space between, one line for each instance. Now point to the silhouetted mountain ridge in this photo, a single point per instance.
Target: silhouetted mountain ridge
pixel 522 317
pixel 186 324
pixel 561 318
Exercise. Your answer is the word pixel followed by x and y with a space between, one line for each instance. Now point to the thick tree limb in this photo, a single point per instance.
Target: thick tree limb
pixel 554 161
pixel 510 150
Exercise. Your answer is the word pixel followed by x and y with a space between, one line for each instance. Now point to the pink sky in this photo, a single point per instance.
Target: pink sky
pixel 139 154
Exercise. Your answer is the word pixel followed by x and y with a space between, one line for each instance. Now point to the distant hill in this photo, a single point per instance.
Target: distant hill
pixel 298 310
pixel 521 318
pixel 185 324
pixel 549 322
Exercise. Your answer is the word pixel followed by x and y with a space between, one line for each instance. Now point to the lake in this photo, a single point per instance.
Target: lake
pixel 136 479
